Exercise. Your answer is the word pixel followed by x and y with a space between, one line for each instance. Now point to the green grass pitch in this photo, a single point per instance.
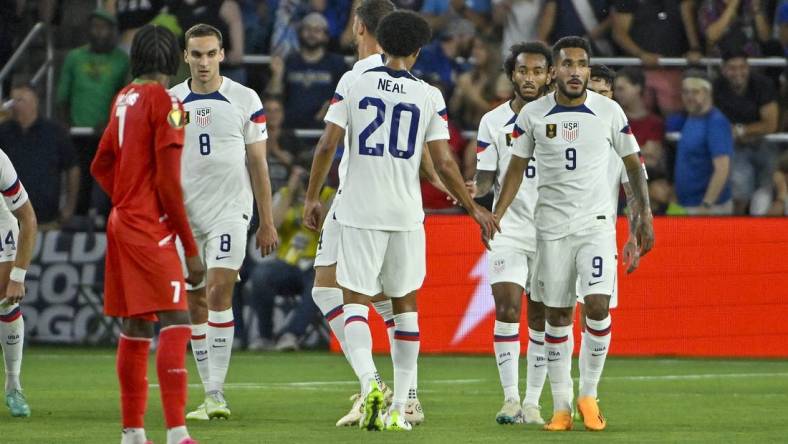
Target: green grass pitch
pixel 297 398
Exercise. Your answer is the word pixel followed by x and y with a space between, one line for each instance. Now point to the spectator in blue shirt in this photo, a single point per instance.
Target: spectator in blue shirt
pixel 444 13
pixel 704 151
pixel 439 58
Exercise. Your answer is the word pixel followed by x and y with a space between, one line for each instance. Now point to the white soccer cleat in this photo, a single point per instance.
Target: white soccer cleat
pixel 532 414
pixel 198 414
pixel 510 413
pixel 355 414
pixel 395 422
pixel 413 412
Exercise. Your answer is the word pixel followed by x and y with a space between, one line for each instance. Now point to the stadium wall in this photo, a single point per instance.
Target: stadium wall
pixel 711 287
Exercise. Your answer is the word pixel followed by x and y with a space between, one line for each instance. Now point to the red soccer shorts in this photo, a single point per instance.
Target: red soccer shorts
pixel 140 281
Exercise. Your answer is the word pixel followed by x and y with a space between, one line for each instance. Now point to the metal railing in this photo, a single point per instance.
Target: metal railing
pixel 47 68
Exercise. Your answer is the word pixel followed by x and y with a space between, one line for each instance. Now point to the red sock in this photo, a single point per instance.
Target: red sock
pixel 171 368
pixel 132 368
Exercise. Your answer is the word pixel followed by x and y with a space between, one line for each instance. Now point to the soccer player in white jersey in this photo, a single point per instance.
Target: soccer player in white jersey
pixel 18 228
pixel 512 252
pixel 571 133
pixel 223 169
pixel 390 115
pixel 326 292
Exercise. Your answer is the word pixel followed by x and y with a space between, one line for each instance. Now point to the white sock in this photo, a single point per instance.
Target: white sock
pixel 177 434
pixel 593 352
pixel 406 344
pixel 559 343
pixel 133 436
pixel 506 343
pixel 200 352
pixel 359 342
pixel 12 335
pixel 221 331
pixel 537 367
pixel 386 311
pixel 329 301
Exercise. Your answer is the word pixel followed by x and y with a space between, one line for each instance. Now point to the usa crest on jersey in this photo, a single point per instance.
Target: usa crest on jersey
pixel 202 117
pixel 570 130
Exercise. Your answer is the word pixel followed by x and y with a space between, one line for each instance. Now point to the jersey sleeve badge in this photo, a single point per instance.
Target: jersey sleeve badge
pixel 177 118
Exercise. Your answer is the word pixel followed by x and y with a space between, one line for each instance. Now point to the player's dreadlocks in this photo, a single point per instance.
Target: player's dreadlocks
pixel 154 50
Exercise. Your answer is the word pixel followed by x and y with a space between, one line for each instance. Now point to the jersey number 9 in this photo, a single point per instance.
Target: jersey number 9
pixel 396 115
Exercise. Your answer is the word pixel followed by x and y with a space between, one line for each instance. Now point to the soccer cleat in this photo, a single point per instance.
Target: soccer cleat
pixel 17 404
pixel 198 414
pixel 561 422
pixel 394 422
pixel 216 406
pixel 373 409
pixel 413 412
pixel 510 413
pixel 355 414
pixel 188 441
pixel 589 411
pixel 532 414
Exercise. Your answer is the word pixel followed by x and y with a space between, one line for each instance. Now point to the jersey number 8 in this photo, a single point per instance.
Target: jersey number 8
pixel 205 144
pixel 396 114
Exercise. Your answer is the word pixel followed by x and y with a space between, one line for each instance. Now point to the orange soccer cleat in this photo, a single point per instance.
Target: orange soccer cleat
pixel 589 411
pixel 561 422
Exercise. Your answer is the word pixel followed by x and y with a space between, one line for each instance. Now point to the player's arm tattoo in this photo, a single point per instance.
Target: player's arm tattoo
pixel 633 215
pixel 484 182
pixel 638 183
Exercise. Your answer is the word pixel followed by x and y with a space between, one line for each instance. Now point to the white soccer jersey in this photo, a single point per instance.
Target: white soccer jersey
pixel 493 151
pixel 216 184
pixel 347 79
pixel 389 115
pixel 572 148
pixel 14 194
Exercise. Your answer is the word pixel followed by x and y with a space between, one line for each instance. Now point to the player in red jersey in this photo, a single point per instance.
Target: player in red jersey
pixel 138 165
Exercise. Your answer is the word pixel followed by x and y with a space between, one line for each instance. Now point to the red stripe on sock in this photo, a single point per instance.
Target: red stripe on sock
pixel 555 340
pixel 198 337
pixel 603 332
pixel 510 338
pixel 221 324
pixel 13 316
pixel 336 311
pixel 355 319
pixel 390 323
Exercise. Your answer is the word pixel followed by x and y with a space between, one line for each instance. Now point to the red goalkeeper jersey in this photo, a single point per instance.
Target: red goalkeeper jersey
pixel 138 164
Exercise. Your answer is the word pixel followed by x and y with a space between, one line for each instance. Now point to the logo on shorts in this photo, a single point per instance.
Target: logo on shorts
pixel 550 130
pixel 202 117
pixel 570 130
pixel 499 265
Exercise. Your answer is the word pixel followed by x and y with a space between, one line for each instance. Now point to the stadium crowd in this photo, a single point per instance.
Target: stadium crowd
pixel 721 163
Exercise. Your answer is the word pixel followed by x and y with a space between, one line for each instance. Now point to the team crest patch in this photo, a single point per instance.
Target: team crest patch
pixel 570 130
pixel 202 117
pixel 550 130
pixel 176 118
pixel 499 265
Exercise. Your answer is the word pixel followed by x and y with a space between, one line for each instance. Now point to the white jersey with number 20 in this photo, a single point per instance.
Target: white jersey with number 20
pixel 389 116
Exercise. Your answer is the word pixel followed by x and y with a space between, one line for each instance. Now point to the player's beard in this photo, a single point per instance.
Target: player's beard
pixel 572 95
pixel 539 93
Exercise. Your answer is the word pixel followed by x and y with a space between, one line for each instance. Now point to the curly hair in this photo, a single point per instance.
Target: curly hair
pixel 525 48
pixel 402 33
pixel 154 50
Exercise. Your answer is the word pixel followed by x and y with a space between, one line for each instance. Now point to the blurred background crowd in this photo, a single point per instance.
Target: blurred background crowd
pixel 56 95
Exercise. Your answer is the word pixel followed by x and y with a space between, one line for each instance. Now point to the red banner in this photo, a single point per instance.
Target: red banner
pixel 711 287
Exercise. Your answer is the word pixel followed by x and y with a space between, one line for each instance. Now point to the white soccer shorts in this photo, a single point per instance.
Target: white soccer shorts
pixel 588 256
pixel 220 248
pixel 328 244
pixel 613 296
pixel 373 261
pixel 510 265
pixel 9 236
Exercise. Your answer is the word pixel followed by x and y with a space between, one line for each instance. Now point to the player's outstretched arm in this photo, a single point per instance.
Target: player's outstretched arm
pixel 321 164
pixel 450 175
pixel 637 181
pixel 28 228
pixel 511 183
pixel 266 238
pixel 427 171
